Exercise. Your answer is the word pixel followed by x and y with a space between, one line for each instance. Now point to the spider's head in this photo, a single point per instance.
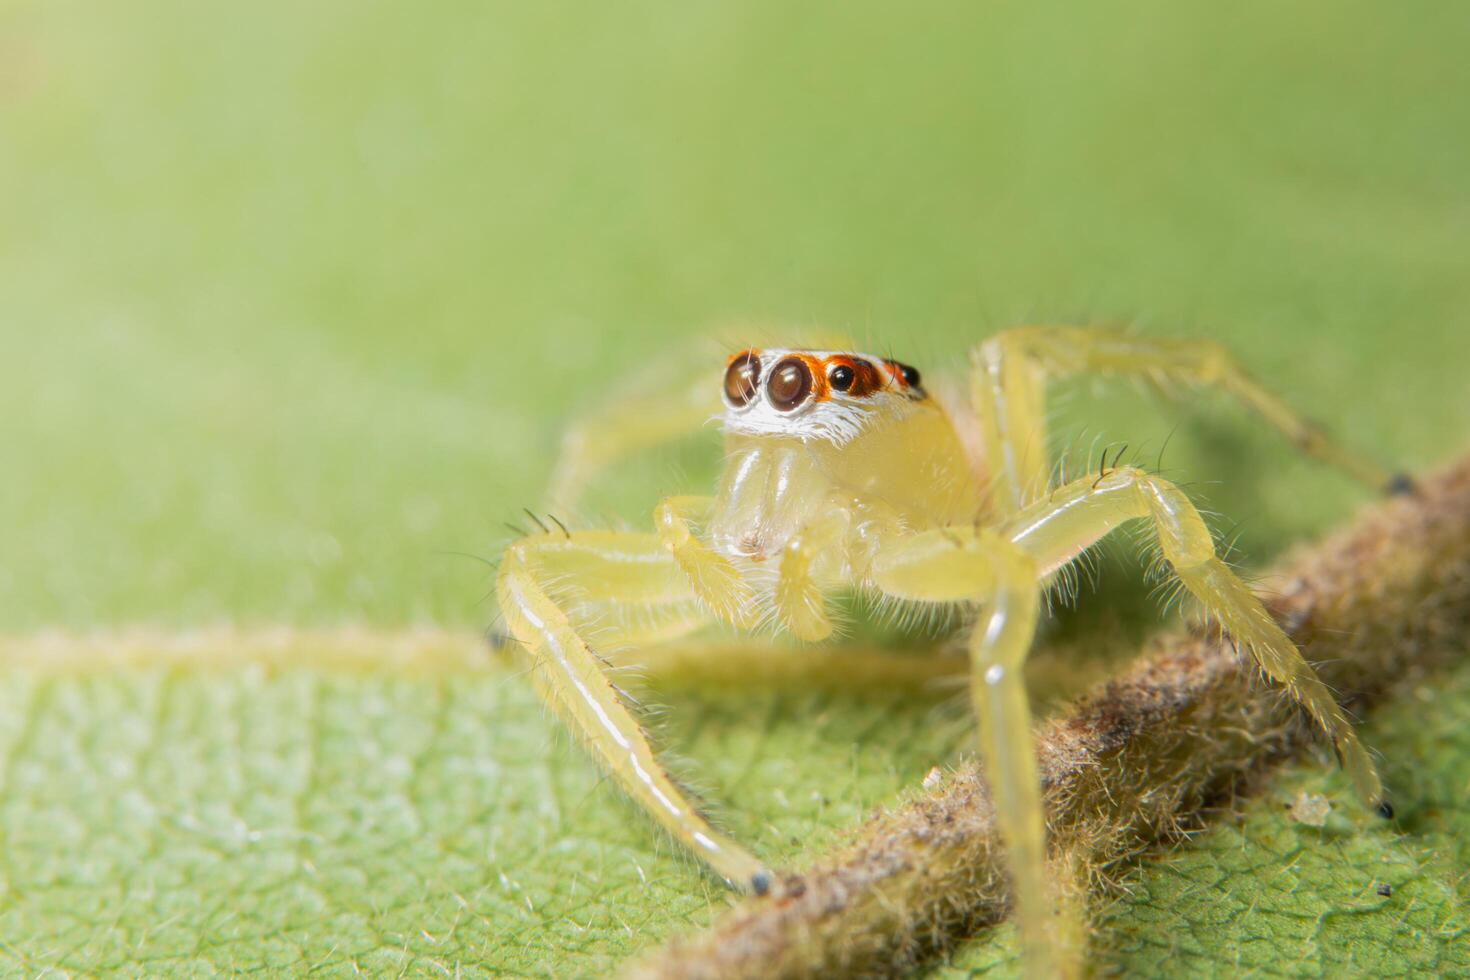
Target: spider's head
pixel 808 394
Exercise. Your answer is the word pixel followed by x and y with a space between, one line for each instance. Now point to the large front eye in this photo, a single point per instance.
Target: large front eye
pixel 741 378
pixel 789 384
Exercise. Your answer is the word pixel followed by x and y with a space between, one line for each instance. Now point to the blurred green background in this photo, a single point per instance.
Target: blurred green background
pixel 294 299
pixel 297 296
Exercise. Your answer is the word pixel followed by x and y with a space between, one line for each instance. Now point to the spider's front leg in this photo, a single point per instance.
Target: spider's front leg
pixel 1001 568
pixel 967 565
pixel 551 589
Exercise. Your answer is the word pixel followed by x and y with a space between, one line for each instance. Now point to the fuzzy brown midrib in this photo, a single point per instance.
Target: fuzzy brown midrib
pixel 1140 760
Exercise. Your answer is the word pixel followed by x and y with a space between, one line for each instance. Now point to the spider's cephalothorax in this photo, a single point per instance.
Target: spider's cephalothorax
pixel 841 473
pixel 804 427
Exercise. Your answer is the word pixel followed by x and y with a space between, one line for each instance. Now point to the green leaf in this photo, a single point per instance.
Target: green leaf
pixel 350 801
pixel 340 801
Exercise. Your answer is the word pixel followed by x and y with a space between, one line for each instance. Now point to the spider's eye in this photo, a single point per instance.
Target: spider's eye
pixel 842 377
pixel 789 384
pixel 910 375
pixel 741 378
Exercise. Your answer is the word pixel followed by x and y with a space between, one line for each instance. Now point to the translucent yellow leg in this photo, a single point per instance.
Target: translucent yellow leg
pixel 1000 569
pixel 962 564
pixel 1008 390
pixel 1053 531
pixel 542 578
pixel 714 577
pixel 669 400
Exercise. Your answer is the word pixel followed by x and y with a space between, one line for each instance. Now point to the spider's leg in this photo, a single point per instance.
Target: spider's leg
pixel 550 590
pixel 665 402
pixel 1055 530
pixel 713 577
pixel 965 565
pixel 1009 373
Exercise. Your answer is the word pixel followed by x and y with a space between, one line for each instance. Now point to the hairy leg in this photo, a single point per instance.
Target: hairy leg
pixel 966 565
pixel 1001 569
pixel 1055 530
pixel 550 588
pixel 1009 373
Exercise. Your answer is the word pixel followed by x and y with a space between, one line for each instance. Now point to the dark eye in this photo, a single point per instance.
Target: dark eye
pixel 741 378
pixel 842 377
pixel 910 375
pixel 789 384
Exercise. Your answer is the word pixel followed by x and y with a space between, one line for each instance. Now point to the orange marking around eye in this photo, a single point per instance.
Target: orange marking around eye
pixel 865 377
pixel 895 370
pixel 750 351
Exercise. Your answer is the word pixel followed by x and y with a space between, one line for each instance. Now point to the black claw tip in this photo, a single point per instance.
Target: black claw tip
pixel 1384 809
pixel 1400 485
pixel 760 882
